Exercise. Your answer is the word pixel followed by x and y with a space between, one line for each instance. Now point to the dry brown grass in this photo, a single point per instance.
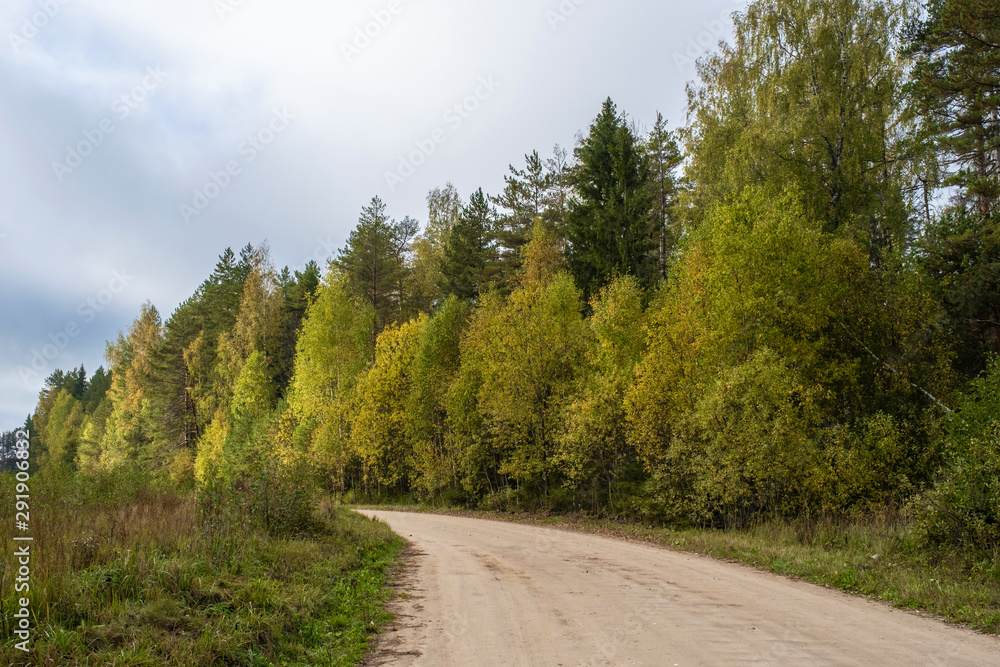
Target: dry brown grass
pixel 128 573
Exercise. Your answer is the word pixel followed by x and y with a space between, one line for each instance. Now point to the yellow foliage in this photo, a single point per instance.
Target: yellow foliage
pixel 379 421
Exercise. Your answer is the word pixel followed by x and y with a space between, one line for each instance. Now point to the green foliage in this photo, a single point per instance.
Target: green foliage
pixel 297 292
pixel 372 263
pixel 963 258
pixel 608 227
pixel 424 263
pixel 753 440
pixel 664 157
pixel 333 351
pixel 789 350
pixel 174 422
pixel 126 434
pixel 131 573
pixel 963 509
pixel 378 428
pixel 593 450
pixel 808 95
pixel 954 80
pixel 526 350
pixel 756 395
pixel 955 47
pixel 435 365
pixel 538 193
pixel 470 265
pixel 248 447
pixel 63 430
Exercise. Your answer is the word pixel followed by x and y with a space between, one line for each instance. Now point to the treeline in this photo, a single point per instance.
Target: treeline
pixel 787 308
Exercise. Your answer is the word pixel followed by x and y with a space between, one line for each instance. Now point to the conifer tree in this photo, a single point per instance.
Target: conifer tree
pixel 373 262
pixel 469 264
pixel 297 291
pixel 956 85
pixel 664 158
pixel 538 192
pixel 608 225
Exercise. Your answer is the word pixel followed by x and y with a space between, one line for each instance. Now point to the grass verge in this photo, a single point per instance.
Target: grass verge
pixel 123 573
pixel 880 558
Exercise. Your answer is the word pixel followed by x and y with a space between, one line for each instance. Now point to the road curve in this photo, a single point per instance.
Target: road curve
pixel 485 593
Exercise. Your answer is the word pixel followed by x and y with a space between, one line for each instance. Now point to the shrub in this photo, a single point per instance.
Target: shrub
pixel 963 508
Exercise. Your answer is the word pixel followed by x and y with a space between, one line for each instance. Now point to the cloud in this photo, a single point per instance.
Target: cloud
pixel 224 79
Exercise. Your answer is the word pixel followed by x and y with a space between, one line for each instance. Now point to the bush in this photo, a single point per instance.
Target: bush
pixel 963 508
pixel 281 503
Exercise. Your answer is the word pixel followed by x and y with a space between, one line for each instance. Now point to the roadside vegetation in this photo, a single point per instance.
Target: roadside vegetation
pixel 126 571
pixel 773 331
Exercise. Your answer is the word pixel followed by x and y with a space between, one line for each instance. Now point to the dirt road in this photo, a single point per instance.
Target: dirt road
pixel 485 593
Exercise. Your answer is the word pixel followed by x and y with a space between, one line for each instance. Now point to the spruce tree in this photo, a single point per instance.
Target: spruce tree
pixel 608 225
pixel 470 259
pixel 297 293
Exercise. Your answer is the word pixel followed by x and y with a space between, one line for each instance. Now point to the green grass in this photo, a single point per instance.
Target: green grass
pixel 125 574
pixel 880 557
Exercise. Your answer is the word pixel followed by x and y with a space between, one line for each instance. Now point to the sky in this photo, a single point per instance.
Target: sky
pixel 139 138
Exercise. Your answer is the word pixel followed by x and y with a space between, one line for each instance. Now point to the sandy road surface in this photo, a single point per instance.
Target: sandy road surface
pixel 483 593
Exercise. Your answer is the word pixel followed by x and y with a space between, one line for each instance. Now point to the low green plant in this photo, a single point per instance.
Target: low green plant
pixel 125 572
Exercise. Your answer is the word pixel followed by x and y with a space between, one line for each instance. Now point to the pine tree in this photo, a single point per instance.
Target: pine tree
pixel 173 412
pixel 96 390
pixel 539 192
pixel 524 199
pixel 956 81
pixel 664 158
pixel 373 262
pixel 956 85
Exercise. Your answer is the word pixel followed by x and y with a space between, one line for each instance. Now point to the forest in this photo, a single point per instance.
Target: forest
pixel 787 306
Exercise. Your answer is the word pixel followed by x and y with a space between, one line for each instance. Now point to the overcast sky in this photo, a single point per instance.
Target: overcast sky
pixel 139 139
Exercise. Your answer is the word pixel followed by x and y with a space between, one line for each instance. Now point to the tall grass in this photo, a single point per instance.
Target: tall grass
pixel 126 572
